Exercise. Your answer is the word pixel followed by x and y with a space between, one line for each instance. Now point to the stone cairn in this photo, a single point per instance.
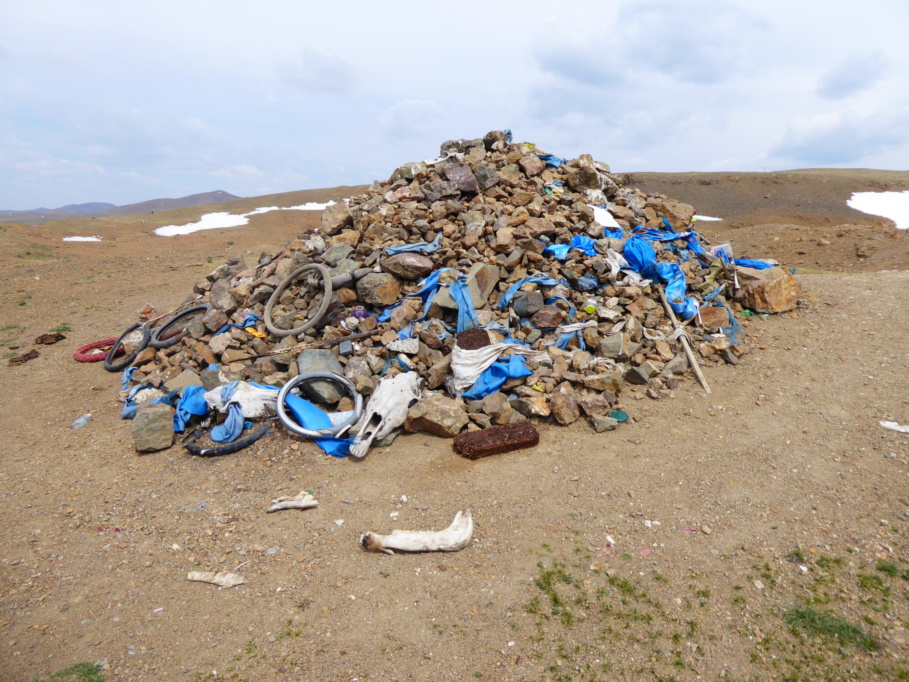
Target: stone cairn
pixel 491 207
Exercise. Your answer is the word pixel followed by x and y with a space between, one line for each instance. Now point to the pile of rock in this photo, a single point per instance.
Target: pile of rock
pixel 487 209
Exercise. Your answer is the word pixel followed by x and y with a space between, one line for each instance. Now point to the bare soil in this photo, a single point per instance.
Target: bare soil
pixel 697 541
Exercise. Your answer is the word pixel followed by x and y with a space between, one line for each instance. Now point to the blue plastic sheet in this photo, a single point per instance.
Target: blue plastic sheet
pixel 495 376
pixel 419 247
pixel 309 416
pixel 191 403
pixel 752 263
pixel 513 289
pixel 613 234
pixel 248 321
pixel 552 161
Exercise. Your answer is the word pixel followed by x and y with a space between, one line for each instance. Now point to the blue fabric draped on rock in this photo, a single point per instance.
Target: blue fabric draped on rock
pixel 248 321
pixel 572 311
pixel 419 247
pixel 495 376
pixel 642 259
pixel 233 426
pixel 467 315
pixel 565 339
pixel 427 292
pixel 542 281
pixel 579 241
pixel 311 417
pixel 734 328
pixel 129 409
pixel 552 161
pixel 191 403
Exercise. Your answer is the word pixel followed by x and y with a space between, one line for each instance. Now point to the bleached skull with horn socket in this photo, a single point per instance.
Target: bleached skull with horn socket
pixel 386 410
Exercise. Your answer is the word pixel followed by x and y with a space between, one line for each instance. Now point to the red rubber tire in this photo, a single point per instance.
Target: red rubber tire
pixel 82 354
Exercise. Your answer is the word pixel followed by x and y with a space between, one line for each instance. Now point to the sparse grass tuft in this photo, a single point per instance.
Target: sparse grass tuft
pixel 828 625
pixel 78 672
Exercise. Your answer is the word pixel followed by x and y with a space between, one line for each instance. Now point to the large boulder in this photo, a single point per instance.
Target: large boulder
pixel 335 218
pixel 772 290
pixel 438 415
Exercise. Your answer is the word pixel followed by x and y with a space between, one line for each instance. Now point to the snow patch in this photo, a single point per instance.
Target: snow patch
pixel 706 218
pixel 82 239
pixel 892 205
pixel 216 221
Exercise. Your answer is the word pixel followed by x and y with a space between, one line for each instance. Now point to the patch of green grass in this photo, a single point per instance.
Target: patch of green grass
pixel 888 568
pixel 870 582
pixel 62 328
pixel 828 625
pixel 78 672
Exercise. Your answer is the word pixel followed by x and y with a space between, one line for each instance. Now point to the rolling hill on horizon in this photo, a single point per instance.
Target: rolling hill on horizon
pixel 107 210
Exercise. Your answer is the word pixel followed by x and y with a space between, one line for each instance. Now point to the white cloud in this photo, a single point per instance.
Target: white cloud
pixel 844 137
pixel 413 118
pixel 313 71
pixel 852 75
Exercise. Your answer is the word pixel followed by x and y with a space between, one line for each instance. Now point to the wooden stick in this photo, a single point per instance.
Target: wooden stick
pixel 686 344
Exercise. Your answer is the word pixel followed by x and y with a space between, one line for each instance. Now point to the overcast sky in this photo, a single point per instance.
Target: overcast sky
pixel 125 101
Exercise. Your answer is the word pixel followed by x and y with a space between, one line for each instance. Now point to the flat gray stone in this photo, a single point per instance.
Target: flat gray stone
pixel 320 360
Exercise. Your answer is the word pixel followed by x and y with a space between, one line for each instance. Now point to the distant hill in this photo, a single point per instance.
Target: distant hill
pixel 104 210
pixel 86 208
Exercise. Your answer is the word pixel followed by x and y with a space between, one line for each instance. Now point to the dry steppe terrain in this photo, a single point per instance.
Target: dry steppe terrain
pixel 759 532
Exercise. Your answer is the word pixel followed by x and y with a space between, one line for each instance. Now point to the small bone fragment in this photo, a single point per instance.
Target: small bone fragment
pixel 456 536
pixel 219 578
pixel 302 501
pixel 386 410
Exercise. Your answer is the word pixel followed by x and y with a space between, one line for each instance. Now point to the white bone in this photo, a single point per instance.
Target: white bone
pixel 219 578
pixel 302 501
pixel 386 410
pixel 456 536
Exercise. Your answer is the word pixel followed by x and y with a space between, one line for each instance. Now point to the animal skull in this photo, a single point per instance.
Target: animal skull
pixel 387 410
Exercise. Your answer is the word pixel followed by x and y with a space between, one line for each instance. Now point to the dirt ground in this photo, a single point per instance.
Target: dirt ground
pixel 758 532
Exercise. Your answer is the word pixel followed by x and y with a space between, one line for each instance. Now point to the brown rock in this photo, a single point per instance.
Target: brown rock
pixel 678 214
pixel 214 320
pixel 532 407
pixel 773 290
pixel 564 408
pixel 548 317
pixel 498 408
pixel 346 296
pixel 532 165
pixel 378 289
pixel 438 415
pixel 713 317
pixel 408 266
pixel 336 217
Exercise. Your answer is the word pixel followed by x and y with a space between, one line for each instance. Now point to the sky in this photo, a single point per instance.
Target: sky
pixel 122 101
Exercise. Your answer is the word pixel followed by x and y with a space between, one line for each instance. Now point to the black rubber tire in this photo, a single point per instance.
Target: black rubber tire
pixel 276 294
pixel 109 364
pixel 228 449
pixel 81 354
pixel 159 343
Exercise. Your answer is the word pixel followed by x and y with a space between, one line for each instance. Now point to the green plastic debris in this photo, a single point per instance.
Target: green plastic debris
pixel 619 415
